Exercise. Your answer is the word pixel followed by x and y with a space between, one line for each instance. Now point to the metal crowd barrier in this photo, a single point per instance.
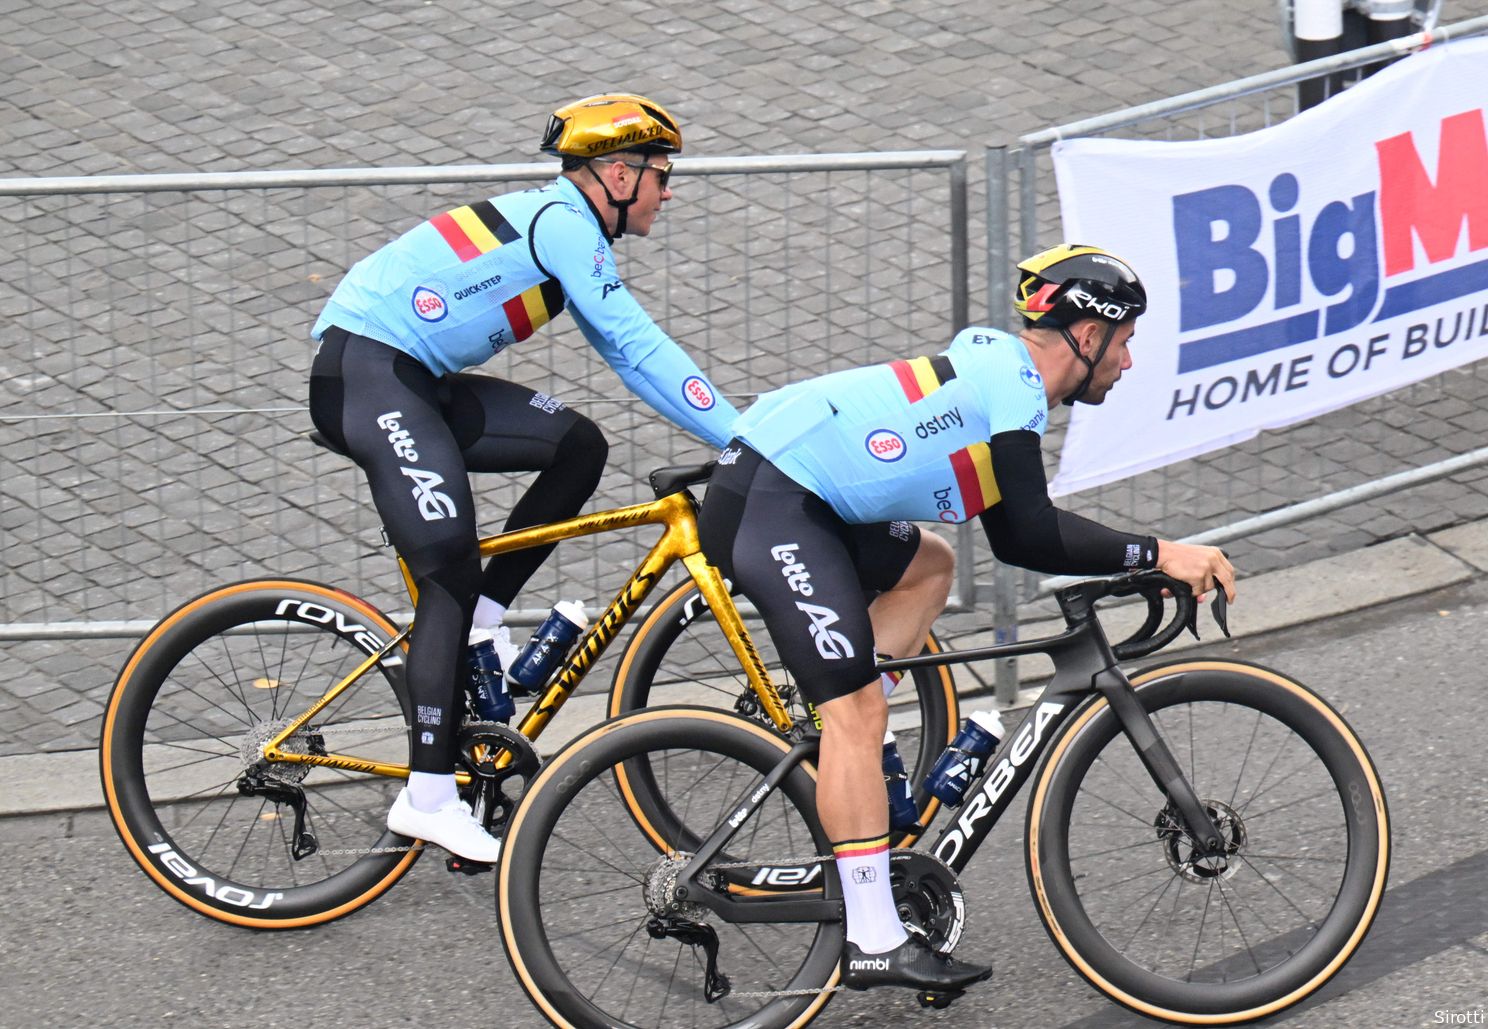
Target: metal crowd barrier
pixel 156 352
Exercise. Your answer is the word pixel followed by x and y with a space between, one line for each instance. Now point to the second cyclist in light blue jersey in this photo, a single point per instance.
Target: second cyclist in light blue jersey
pixel 388 387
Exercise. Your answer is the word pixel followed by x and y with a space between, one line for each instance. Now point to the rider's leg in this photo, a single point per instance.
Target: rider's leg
pixel 383 406
pixel 504 427
pixel 807 572
pixel 854 810
pixel 902 616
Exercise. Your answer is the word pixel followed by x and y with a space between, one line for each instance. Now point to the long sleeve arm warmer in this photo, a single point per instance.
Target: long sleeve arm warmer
pixel 1027 530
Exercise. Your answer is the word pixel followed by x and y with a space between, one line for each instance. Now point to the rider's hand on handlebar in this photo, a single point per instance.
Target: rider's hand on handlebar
pixel 1203 568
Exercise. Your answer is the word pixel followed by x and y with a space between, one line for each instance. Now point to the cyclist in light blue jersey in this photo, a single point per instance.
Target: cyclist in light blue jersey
pixel 811 513
pixel 388 386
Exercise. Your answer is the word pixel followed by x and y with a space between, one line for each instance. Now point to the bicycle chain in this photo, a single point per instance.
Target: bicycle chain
pixel 787 993
pixel 781 861
pixel 348 851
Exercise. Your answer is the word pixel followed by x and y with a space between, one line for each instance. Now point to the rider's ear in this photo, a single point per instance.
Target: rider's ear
pixel 1088 334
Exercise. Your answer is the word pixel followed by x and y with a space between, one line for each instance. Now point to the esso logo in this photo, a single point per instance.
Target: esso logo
pixel 429 305
pixel 698 393
pixel 1030 377
pixel 885 445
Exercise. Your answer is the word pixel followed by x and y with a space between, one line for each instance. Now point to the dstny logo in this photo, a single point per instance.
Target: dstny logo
pixel 1357 253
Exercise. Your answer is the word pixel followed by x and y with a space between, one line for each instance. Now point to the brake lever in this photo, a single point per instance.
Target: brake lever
pixel 1192 623
pixel 1219 609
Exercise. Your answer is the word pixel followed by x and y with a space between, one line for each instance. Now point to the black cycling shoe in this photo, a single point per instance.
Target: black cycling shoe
pixel 911 964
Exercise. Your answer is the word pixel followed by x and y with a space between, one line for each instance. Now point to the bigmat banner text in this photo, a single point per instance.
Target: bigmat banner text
pixel 1291 271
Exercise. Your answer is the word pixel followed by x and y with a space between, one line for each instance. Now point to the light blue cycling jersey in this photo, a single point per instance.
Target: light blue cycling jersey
pixel 465 285
pixel 904 440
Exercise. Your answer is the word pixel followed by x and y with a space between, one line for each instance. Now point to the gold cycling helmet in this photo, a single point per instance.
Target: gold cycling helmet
pixel 1059 286
pixel 599 125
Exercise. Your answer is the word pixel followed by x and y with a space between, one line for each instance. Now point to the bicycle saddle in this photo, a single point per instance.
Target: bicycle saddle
pixel 676 478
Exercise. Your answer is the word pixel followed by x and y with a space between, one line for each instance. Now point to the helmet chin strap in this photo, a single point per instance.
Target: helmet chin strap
pixel 1089 363
pixel 622 206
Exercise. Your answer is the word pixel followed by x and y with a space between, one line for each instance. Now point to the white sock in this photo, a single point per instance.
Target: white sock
pixel 872 920
pixel 488 613
pixel 429 791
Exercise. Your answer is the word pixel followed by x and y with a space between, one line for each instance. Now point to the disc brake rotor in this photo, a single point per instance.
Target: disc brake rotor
pixel 1186 859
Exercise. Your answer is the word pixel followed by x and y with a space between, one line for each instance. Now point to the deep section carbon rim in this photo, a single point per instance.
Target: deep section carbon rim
pixel 270 845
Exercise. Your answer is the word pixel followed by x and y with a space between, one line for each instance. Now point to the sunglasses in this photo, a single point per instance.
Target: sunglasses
pixel 663 171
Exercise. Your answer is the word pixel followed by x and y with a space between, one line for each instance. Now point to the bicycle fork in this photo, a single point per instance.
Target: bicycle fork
pixel 1152 750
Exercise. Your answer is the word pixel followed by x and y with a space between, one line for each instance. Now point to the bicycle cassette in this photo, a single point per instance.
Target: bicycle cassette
pixel 929 898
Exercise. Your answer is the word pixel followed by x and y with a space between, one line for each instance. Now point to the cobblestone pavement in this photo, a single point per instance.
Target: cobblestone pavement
pixel 176 85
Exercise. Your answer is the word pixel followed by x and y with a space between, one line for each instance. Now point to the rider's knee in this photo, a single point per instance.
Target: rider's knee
pixel 456 573
pixel 863 710
pixel 584 450
pixel 935 559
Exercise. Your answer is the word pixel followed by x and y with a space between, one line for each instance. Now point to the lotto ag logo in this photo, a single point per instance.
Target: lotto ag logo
pixel 885 444
pixel 428 304
pixel 698 393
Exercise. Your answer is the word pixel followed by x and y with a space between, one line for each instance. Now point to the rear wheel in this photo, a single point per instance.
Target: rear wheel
pixel 232 836
pixel 1177 934
pixel 593 927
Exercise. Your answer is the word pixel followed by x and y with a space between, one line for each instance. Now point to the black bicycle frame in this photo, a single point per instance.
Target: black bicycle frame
pixel 1084 665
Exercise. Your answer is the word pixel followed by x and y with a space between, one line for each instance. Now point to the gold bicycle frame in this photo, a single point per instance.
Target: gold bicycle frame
pixel 679 542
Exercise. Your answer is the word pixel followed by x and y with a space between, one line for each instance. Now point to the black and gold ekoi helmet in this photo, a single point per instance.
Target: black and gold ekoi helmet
pixel 1059 286
pixel 599 125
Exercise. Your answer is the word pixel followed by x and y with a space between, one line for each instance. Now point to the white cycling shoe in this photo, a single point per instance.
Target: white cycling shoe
pixel 453 827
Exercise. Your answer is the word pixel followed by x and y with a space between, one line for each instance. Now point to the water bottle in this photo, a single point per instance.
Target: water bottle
pixel 547 647
pixel 493 703
pixel 902 811
pixel 965 758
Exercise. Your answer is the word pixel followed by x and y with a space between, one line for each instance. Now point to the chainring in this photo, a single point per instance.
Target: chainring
pixel 929 898
pixel 481 750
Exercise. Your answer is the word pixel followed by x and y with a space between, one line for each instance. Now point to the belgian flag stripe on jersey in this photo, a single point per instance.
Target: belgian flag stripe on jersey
pixel 474 230
pixel 455 236
pixel 921 376
pixel 974 478
pixel 533 308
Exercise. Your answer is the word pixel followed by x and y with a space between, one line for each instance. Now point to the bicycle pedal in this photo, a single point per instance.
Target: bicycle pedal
pixel 465 866
pixel 938 1000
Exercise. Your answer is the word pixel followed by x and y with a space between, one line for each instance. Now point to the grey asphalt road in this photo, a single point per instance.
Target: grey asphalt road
pixel 88 940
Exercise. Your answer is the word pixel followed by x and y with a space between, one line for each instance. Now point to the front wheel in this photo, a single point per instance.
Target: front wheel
pixel 595 929
pixel 1200 938
pixel 233 836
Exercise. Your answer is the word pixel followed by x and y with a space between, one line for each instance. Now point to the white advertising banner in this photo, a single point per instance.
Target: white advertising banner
pixel 1291 271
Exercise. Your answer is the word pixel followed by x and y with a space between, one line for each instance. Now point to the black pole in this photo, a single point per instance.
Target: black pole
pixel 1317 28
